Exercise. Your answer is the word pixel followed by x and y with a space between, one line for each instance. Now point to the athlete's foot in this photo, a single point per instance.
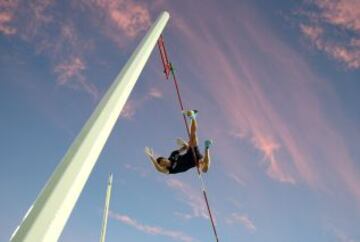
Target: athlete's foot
pixel 190 113
pixel 208 143
pixel 181 143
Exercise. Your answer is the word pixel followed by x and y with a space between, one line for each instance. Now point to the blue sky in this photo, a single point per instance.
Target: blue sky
pixel 276 84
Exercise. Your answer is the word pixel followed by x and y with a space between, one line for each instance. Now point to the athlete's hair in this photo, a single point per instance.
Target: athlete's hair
pixel 159 159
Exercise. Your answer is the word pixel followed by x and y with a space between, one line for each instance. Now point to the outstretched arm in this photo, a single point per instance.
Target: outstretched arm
pixel 159 168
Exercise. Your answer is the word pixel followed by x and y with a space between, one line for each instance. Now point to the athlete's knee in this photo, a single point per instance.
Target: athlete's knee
pixel 204 169
pixel 193 141
pixel 203 166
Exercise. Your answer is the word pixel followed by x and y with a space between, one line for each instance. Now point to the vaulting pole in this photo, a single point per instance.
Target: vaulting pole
pixel 46 218
pixel 106 209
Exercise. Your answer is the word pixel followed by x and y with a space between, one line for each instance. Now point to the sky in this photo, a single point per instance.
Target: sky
pixel 276 84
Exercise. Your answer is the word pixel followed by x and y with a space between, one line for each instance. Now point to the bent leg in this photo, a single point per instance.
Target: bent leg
pixel 205 162
pixel 193 137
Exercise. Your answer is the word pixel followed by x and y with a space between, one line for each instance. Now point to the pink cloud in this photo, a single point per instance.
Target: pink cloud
pixel 64 47
pixel 349 54
pixel 70 69
pixel 150 229
pixel 250 116
pixel 268 148
pixel 341 14
pixel 155 93
pixel 241 219
pixel 5 19
pixel 129 110
pixel 70 73
pixel 138 169
pixel 7 9
pixel 312 32
pixel 119 19
pixel 132 20
pixel 191 197
pixel 266 89
pixel 133 105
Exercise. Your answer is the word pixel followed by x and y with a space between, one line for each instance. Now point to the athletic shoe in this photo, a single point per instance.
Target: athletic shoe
pixel 181 143
pixel 208 143
pixel 190 113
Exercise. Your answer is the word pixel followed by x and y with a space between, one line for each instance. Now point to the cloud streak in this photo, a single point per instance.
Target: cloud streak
pixel 120 20
pixel 341 17
pixel 70 73
pixel 290 127
pixel 268 147
pixel 7 9
pixel 133 105
pixel 54 37
pixel 150 229
pixel 243 219
pixel 191 197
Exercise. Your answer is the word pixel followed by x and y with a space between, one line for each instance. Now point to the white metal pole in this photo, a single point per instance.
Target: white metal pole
pixel 46 218
pixel 106 209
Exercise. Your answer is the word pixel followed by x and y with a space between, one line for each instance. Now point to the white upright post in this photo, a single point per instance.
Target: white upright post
pixel 46 218
pixel 106 209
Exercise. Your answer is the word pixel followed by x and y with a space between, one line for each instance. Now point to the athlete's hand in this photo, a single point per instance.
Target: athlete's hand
pixel 149 151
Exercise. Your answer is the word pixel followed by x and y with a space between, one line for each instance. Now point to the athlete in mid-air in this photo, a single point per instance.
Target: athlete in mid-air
pixel 185 158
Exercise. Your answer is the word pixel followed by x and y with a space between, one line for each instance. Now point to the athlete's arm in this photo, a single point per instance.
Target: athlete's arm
pixel 159 168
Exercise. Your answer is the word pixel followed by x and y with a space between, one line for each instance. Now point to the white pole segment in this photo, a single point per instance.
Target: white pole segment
pixel 46 218
pixel 106 209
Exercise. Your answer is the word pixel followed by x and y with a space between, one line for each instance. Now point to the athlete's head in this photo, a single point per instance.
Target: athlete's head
pixel 163 161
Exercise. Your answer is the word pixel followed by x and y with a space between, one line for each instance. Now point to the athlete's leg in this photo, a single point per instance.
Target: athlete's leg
pixel 193 137
pixel 205 162
pixel 193 126
pixel 182 145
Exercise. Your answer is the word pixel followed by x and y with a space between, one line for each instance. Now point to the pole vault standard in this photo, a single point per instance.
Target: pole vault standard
pixel 106 209
pixel 46 218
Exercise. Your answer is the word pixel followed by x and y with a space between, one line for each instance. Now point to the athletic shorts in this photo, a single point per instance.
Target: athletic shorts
pixel 182 163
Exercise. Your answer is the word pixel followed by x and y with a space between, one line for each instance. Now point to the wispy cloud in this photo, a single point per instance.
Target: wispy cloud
pixel 151 229
pixel 7 9
pixel 253 114
pixel 237 179
pixel 155 93
pixel 268 148
pixel 133 105
pixel 235 203
pixel 54 37
pixel 191 197
pixel 70 73
pixel 341 17
pixel 339 234
pixel 342 13
pixel 5 19
pixel 120 20
pixel 138 169
pixel 266 89
pixel 236 218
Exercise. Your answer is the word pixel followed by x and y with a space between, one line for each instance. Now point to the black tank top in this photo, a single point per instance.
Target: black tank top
pixel 182 163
